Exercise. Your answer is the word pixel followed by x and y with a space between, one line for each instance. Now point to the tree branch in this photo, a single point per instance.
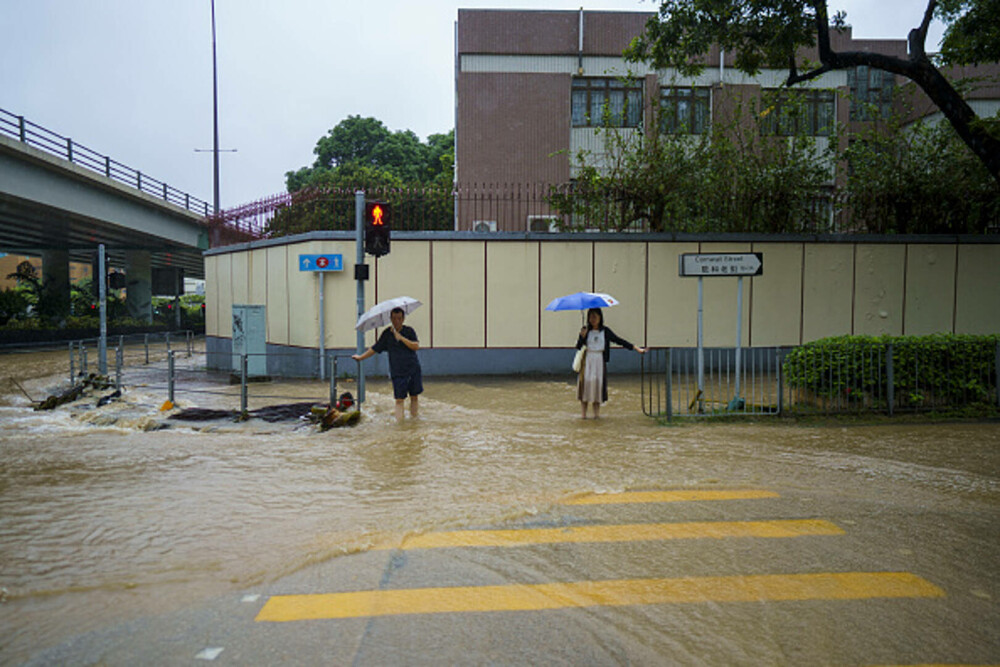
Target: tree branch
pixel 846 59
pixel 822 30
pixel 918 36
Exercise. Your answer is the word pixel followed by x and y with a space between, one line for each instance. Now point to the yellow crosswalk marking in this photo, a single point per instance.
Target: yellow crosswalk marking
pixel 777 587
pixel 668 496
pixel 620 533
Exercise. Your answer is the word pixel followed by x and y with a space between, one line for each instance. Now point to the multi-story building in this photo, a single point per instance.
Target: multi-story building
pixel 534 89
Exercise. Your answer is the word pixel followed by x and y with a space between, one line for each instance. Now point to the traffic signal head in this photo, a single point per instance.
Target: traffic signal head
pixel 378 227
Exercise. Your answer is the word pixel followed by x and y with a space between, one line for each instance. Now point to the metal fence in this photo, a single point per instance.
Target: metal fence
pixel 537 208
pixel 55 144
pixel 174 365
pixel 862 377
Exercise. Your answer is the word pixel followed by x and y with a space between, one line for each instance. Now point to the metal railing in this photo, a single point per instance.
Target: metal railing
pixel 672 385
pixel 893 377
pixel 39 137
pixel 172 365
pixel 79 357
pixel 879 378
pixel 535 208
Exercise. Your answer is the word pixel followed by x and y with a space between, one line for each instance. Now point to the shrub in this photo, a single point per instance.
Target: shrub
pixel 937 369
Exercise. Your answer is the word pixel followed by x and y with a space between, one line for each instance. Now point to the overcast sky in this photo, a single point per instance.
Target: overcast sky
pixel 133 78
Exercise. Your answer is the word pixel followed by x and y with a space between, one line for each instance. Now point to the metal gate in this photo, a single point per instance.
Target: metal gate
pixel 678 382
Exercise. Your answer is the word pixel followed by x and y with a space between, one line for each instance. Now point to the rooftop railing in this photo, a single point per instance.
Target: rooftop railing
pixel 46 140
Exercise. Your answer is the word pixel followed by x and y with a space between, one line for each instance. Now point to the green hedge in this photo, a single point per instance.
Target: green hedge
pixel 940 368
pixel 25 332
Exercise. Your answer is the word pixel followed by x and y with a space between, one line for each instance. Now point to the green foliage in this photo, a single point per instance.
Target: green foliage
pixel 13 306
pixel 737 177
pixel 364 148
pixel 770 33
pixel 192 313
pixel 396 167
pixel 920 180
pixel 973 32
pixel 761 34
pixel 928 371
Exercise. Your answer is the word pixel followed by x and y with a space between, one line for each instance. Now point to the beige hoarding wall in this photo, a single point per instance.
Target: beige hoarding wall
pixel 930 282
pixel 512 315
pixel 458 281
pixel 976 285
pixel 620 270
pixel 776 298
pixel 719 301
pixel 489 293
pixel 276 295
pixel 406 271
pixel 671 309
pixel 879 272
pixel 827 290
pixel 564 268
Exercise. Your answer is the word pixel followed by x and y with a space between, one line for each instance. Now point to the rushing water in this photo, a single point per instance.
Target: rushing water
pixel 102 516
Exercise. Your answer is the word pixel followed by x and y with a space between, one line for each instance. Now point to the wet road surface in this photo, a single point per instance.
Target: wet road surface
pixel 498 528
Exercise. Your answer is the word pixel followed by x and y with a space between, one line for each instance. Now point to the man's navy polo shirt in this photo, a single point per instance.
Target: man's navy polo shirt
pixel 402 360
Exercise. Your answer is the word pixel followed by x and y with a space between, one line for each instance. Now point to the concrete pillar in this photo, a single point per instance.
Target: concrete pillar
pixel 139 285
pixel 54 302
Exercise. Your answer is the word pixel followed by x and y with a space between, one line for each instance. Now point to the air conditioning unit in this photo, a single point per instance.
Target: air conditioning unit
pixel 484 225
pixel 543 224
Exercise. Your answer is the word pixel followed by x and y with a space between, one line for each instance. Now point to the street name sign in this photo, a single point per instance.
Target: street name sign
pixel 721 264
pixel 321 262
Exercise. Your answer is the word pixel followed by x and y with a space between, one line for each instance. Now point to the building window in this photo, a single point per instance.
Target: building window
pixel 871 92
pixel 606 102
pixel 684 110
pixel 792 112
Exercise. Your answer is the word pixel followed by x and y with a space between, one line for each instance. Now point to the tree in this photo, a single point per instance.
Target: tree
pixel 771 32
pixel 739 176
pixel 973 34
pixel 920 180
pixel 366 145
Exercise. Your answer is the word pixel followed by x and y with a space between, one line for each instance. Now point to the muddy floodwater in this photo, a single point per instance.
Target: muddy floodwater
pixel 107 513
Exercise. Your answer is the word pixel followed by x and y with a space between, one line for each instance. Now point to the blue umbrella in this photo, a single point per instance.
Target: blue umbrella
pixel 582 301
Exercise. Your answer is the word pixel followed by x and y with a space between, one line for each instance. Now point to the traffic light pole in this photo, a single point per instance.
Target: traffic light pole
pixel 102 295
pixel 359 223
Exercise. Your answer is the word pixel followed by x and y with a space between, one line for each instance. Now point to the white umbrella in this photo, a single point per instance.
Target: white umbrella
pixel 379 314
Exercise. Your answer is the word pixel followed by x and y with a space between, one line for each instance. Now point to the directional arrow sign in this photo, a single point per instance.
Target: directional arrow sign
pixel 321 262
pixel 721 264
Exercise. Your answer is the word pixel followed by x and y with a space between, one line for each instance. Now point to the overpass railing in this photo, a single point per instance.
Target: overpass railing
pixel 39 137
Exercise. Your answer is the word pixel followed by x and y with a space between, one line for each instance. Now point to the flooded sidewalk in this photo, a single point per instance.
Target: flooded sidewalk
pixel 114 513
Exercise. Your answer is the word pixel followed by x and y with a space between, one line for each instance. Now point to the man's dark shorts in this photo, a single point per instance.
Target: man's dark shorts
pixel 408 385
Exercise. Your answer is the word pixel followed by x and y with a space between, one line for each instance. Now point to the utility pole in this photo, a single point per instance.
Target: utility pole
pixel 215 123
pixel 215 116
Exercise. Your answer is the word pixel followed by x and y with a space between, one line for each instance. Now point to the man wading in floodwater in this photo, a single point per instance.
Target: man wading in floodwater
pixel 404 367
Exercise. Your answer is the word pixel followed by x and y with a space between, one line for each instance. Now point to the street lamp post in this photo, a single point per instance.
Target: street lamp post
pixel 215 116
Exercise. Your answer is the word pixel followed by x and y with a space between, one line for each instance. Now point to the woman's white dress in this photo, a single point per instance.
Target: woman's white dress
pixel 593 369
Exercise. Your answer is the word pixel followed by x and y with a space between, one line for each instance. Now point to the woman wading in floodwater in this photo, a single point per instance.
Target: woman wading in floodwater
pixel 592 386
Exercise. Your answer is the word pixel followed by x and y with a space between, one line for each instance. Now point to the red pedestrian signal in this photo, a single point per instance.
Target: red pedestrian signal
pixel 378 227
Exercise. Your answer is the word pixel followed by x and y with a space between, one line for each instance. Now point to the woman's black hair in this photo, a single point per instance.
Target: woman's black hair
pixel 600 314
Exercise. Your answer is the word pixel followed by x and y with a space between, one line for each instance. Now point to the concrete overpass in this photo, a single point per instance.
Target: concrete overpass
pixel 59 199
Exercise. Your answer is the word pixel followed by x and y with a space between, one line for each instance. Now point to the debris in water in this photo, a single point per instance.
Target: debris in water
pixel 327 417
pixel 202 414
pixel 334 418
pixel 74 392
pixel 104 400
pixel 282 413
